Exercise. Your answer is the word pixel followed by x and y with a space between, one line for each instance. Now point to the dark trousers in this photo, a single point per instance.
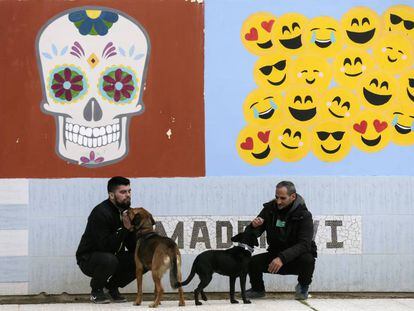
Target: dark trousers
pixel 302 266
pixel 108 270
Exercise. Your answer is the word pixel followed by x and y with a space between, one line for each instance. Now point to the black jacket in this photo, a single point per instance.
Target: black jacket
pixel 105 232
pixel 297 232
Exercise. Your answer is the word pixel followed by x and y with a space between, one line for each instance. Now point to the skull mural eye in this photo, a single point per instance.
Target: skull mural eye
pixel 67 84
pixel 118 85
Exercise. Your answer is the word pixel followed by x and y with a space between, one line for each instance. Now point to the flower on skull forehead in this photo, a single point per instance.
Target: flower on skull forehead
pixel 93 22
pixel 118 85
pixel 67 84
pixel 91 159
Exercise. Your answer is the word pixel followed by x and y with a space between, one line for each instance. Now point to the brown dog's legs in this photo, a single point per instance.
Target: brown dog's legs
pixel 138 272
pixel 181 301
pixel 159 291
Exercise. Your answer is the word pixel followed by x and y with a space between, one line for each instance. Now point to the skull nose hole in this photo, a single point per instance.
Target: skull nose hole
pixel 92 110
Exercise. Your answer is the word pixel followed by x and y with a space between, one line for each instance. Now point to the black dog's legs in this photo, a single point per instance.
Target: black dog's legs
pixel 203 295
pixel 243 288
pixel 232 284
pixel 204 281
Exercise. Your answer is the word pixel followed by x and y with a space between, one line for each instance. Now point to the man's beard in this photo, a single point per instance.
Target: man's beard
pixel 123 205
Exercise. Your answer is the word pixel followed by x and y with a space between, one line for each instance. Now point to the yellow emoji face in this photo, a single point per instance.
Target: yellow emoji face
pixel 402 124
pixel 262 107
pixel 301 105
pixel 394 53
pixel 310 71
pixel 253 145
pixel 323 36
pixel 361 26
pixel 377 90
pixel 330 141
pixel 370 131
pixel 270 71
pixel 290 142
pixel 256 33
pixel 339 104
pixel 350 66
pixel 406 87
pixel 288 31
pixel 400 18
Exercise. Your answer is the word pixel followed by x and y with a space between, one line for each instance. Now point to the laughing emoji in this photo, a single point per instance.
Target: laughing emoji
pixel 270 71
pixel 402 125
pixel 288 31
pixel 253 145
pixel 256 33
pixel 377 90
pixel 361 25
pixel 301 105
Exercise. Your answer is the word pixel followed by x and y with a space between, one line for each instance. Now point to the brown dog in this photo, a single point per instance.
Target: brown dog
pixel 156 253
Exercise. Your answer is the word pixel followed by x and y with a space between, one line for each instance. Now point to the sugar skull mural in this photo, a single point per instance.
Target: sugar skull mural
pixel 92 63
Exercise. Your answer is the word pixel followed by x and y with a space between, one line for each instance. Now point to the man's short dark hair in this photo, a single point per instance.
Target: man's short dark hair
pixel 290 187
pixel 116 181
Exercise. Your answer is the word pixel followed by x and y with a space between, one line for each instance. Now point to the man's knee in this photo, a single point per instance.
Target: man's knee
pixel 108 261
pixel 306 259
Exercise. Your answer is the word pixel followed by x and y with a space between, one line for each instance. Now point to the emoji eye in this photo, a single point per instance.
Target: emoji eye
pixel 337 99
pixel 374 81
pixel 347 61
pixel 295 25
pixel 357 60
pixel 284 29
pixel 288 132
pixel 365 20
pixel 323 135
pixel 298 99
pixel 280 65
pixel 315 70
pixel 384 84
pixel 411 82
pixel 346 104
pixel 338 135
pixel 354 21
pixel 308 99
pixel 395 19
pixel 408 25
pixel 266 70
pixel 297 134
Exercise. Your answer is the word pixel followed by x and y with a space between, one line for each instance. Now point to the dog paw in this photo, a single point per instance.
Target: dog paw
pixel 198 303
pixel 204 297
pixel 234 301
pixel 247 301
pixel 137 303
pixel 153 305
pixel 181 304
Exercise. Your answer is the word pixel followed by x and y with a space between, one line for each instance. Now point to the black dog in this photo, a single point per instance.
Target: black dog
pixel 232 262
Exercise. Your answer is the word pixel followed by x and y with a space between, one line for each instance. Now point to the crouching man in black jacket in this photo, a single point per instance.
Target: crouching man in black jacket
pixel 106 250
pixel 289 232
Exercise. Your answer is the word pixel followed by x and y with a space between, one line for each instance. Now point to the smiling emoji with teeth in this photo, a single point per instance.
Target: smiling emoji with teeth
pixel 339 104
pixel 371 131
pixel 288 31
pixel 290 142
pixel 262 107
pixel 406 87
pixel 323 36
pixel 256 33
pixel 361 26
pixel 301 104
pixel 402 124
pixel 377 90
pixel 270 71
pixel 350 65
pixel 253 145
pixel 330 141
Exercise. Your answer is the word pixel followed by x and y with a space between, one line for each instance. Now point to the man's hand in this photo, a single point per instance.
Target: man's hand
pixel 257 222
pixel 126 221
pixel 275 265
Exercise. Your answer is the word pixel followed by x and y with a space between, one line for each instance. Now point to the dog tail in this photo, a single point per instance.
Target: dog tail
pixel 191 276
pixel 175 270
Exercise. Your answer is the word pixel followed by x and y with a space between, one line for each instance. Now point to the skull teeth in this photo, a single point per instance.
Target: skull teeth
pixel 92 137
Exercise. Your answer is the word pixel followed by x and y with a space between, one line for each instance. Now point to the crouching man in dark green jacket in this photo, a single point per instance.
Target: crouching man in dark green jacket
pixel 289 232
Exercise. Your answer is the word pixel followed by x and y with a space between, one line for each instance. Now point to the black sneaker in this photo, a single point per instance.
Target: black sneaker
pixel 116 295
pixel 251 294
pixel 98 296
pixel 301 292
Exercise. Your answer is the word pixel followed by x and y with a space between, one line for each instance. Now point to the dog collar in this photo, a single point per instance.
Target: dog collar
pixel 246 247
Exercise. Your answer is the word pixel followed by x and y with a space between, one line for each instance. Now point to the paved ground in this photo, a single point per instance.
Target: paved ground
pixel 314 304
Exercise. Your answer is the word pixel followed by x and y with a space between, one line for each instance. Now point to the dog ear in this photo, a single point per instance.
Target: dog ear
pixel 237 237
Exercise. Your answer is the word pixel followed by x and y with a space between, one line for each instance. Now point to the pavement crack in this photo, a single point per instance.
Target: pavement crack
pixel 308 305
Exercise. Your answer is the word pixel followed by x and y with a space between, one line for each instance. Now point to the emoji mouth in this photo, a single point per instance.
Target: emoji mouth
pixel 334 114
pixel 410 96
pixel 402 129
pixel 302 115
pixel 293 43
pixel 310 81
pixel 353 74
pixel 287 146
pixel 361 37
pixel 392 60
pixel 267 114
pixel 262 155
pixel 371 142
pixel 323 43
pixel 265 45
pixel 331 151
pixel 376 99
pixel 277 83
